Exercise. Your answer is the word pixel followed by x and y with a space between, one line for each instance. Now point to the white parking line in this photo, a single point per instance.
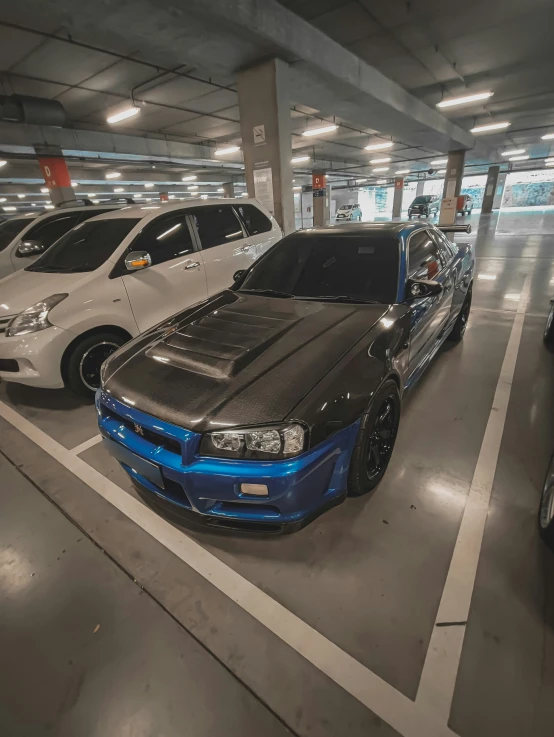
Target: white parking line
pixel 397 710
pixel 86 445
pixel 438 679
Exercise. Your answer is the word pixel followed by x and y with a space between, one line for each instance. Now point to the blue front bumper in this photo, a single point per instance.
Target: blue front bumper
pixel 164 461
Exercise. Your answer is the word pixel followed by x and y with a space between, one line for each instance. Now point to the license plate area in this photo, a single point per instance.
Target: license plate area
pixel 140 465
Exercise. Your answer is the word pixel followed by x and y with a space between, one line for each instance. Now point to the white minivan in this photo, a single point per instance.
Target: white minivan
pixel 32 235
pixel 116 275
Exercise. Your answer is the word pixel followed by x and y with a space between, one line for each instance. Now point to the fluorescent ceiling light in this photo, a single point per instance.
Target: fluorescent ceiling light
pixel 381 181
pixel 118 189
pixel 96 202
pixel 91 194
pixel 193 186
pixel 360 181
pixel 48 207
pixel 384 160
pixel 519 158
pixel 129 112
pixel 513 152
pixel 148 184
pixel 490 127
pixel 228 150
pixel 379 146
pixel 403 171
pixel 319 131
pixel 438 162
pixel 203 196
pixel 544 138
pixel 2 199
pixel 44 190
pixel 297 188
pixel 189 178
pixel 3 162
pixel 382 168
pixel 245 194
pixel 171 196
pixel 113 175
pixel 441 171
pixel 21 196
pixel 299 159
pixel 464 100
pixel 9 208
pixel 220 189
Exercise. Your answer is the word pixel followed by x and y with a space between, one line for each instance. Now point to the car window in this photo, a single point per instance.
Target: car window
pixel 165 238
pixel 254 220
pixel 423 256
pixel 216 225
pixel 86 247
pixel 9 229
pixel 422 199
pixel 445 246
pixel 314 265
pixel 48 231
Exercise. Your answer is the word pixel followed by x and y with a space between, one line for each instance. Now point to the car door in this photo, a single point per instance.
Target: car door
pixel 446 278
pixel 176 278
pixel 424 262
pixel 261 231
pixel 224 246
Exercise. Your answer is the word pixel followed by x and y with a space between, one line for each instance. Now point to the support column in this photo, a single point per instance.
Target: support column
pixel 228 189
pixel 264 107
pixel 397 201
pixel 490 189
pixel 499 192
pixel 321 203
pixel 452 187
pixel 420 187
pixel 55 172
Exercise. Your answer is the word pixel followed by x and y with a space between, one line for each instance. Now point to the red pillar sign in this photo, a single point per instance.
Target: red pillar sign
pixel 55 172
pixel 399 183
pixel 319 183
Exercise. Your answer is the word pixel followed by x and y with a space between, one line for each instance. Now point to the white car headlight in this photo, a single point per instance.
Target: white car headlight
pixel 34 318
pixel 271 442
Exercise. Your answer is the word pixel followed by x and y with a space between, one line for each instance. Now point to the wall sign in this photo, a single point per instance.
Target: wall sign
pixel 259 134
pixel 55 172
pixel 263 188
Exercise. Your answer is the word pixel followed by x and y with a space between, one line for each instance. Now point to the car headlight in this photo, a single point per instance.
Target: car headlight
pixel 256 443
pixel 34 318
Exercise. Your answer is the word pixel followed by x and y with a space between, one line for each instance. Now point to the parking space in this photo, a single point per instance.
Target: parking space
pixel 369 575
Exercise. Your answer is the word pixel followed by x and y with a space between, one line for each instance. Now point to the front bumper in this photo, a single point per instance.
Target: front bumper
pixel 38 357
pixel 165 465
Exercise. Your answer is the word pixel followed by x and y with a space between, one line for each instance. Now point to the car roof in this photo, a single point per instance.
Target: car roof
pixel 396 228
pixel 150 208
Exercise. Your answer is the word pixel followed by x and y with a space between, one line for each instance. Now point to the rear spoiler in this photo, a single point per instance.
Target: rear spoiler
pixel 455 228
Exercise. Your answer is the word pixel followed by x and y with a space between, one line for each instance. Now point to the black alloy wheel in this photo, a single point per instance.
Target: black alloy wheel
pixel 86 359
pixel 457 332
pixel 375 442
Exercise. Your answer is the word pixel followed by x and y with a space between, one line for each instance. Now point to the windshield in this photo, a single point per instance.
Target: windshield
pixel 9 229
pixel 86 247
pixel 423 200
pixel 361 266
pixel 346 207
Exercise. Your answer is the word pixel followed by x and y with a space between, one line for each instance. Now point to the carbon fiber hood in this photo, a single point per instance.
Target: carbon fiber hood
pixel 238 359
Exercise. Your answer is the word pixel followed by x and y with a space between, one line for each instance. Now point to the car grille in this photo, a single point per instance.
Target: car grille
pixel 4 321
pixel 157 439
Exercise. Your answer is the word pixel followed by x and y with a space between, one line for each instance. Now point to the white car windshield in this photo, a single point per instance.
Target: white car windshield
pixel 86 247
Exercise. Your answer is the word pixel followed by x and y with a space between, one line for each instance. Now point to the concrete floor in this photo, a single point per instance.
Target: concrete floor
pixel 174 655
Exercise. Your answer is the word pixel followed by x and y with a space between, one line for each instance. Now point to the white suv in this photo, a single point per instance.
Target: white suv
pixel 116 275
pixel 37 235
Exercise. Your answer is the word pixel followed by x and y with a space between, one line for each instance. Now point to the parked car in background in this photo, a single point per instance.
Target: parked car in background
pixel 38 234
pixel 11 228
pixel 114 276
pixel 349 212
pixel 425 204
pixel 302 405
pixel 465 204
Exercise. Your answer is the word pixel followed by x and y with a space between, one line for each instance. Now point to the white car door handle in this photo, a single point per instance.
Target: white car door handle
pixel 244 249
pixel 192 265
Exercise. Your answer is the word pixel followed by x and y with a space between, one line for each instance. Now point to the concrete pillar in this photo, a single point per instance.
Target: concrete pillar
pixel 55 172
pixel 321 202
pixel 454 174
pixel 419 188
pixel 228 189
pixel 490 189
pixel 397 201
pixel 499 193
pixel 264 107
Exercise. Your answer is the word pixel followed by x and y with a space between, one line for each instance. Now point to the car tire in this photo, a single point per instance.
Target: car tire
pixel 457 332
pixel 548 336
pixel 375 442
pixel 86 358
pixel 546 508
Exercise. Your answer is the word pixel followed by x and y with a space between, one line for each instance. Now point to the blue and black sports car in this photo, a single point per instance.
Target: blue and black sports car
pixel 275 399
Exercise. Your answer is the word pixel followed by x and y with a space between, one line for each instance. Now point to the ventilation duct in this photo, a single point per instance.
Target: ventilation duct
pixel 31 110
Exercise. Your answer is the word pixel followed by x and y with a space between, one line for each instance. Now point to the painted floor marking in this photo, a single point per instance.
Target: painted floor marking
pixel 400 712
pixel 438 679
pixel 86 445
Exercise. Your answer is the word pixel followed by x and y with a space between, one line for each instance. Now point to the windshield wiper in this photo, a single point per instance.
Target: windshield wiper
pixel 341 298
pixel 267 292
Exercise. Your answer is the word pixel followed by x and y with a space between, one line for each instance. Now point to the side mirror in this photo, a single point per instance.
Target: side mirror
pixel 30 248
pixel 239 274
pixel 418 288
pixel 137 260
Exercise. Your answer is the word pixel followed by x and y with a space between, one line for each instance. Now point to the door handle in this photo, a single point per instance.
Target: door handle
pixel 244 249
pixel 192 265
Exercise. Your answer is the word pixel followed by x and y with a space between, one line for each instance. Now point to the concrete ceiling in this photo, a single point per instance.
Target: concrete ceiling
pixel 378 68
